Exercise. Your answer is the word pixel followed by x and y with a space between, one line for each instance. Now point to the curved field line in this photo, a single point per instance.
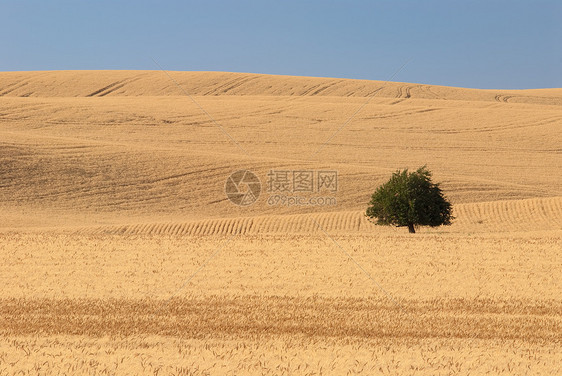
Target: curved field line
pixel 495 216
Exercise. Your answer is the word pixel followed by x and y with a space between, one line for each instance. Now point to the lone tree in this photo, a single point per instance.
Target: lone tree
pixel 410 199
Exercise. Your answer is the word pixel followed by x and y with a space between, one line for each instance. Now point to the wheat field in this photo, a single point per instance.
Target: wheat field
pixel 121 254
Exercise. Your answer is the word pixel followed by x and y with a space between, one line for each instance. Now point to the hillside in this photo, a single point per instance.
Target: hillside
pixel 117 148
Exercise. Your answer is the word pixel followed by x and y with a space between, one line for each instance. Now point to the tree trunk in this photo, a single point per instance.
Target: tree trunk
pixel 411 228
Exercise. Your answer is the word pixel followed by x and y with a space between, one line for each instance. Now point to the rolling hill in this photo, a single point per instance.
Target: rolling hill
pixel 91 148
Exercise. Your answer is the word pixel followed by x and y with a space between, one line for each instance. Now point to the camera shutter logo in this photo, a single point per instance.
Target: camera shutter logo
pixel 243 188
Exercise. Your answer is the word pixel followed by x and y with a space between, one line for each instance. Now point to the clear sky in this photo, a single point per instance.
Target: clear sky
pixel 482 44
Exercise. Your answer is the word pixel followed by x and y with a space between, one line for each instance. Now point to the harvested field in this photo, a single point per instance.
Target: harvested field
pixel 121 254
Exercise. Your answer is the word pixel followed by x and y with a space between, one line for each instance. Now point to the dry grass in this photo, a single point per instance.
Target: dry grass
pixel 155 355
pixel 428 266
pixel 270 304
pixel 270 316
pixel 112 197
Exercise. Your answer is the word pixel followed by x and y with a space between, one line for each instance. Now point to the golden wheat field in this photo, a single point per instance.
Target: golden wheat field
pixel 120 252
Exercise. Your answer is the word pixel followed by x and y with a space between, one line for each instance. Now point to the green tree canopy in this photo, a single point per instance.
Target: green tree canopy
pixel 410 199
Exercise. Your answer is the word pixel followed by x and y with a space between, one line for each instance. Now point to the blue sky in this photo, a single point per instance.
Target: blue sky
pixel 481 44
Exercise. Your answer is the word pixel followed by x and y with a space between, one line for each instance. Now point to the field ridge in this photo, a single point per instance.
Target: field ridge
pixel 156 83
pixel 534 214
